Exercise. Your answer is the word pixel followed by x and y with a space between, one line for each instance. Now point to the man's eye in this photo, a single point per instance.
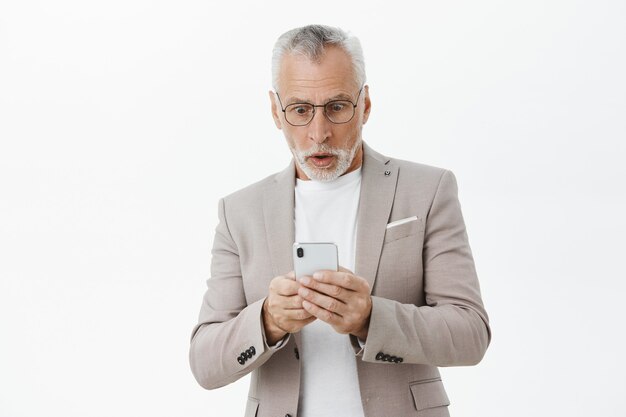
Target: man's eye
pixel 337 107
pixel 299 110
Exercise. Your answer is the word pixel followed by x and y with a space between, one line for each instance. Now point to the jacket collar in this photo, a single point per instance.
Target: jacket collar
pixel 378 188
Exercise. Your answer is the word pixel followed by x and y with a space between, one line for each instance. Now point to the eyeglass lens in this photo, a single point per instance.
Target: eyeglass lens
pixel 338 111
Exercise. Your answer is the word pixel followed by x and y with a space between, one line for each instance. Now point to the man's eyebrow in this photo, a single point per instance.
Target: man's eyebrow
pixel 294 100
pixel 340 96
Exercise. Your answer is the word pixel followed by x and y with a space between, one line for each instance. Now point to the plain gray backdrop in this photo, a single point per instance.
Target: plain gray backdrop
pixel 123 122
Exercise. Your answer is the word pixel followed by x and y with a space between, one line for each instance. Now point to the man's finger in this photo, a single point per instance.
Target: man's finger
pixel 287 302
pixel 327 303
pixel 297 314
pixel 341 279
pixel 286 286
pixel 294 301
pixel 322 314
pixel 334 291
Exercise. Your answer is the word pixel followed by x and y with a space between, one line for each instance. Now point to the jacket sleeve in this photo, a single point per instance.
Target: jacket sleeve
pixel 453 327
pixel 229 340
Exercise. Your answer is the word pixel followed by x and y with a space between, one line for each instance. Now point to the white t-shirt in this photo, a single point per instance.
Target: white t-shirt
pixel 329 384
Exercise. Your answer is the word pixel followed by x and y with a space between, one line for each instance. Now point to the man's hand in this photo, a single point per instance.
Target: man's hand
pixel 341 299
pixel 282 309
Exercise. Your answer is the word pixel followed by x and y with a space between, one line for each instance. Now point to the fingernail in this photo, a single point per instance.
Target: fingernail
pixel 317 275
pixel 305 280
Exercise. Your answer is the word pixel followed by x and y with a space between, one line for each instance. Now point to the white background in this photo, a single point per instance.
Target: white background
pixel 123 122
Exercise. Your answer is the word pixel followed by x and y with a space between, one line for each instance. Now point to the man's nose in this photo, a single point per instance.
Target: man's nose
pixel 319 128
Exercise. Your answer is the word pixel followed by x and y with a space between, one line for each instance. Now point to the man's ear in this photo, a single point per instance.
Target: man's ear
pixel 275 110
pixel 368 104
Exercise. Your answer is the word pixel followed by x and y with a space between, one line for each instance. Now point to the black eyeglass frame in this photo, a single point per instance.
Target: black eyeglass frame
pixel 354 105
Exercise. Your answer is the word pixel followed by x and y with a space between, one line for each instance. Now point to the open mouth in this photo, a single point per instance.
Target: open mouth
pixel 321 160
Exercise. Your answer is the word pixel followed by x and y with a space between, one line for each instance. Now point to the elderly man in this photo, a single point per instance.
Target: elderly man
pixel 362 343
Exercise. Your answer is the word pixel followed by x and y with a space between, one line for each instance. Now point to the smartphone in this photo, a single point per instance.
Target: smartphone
pixel 310 257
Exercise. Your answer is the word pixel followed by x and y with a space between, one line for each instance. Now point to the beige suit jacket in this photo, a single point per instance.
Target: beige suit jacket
pixel 426 304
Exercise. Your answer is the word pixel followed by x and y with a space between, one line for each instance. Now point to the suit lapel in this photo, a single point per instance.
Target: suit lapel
pixel 378 189
pixel 278 209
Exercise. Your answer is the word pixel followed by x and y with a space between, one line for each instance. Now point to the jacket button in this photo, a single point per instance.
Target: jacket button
pixel 252 350
pixel 248 354
pixel 400 360
pixel 241 360
pixel 379 356
pixel 295 351
pixel 287 415
pixel 386 357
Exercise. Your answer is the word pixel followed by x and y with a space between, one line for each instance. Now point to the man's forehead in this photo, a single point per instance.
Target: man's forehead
pixel 332 76
pixel 318 89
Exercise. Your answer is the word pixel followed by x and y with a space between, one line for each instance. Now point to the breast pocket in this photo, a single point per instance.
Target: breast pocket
pixel 403 229
pixel 399 275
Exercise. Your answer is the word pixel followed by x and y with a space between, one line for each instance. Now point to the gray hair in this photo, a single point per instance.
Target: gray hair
pixel 310 41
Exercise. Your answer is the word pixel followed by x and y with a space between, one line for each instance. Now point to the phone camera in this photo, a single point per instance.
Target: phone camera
pixel 300 252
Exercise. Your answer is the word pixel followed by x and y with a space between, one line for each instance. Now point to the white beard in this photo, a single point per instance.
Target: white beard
pixel 343 158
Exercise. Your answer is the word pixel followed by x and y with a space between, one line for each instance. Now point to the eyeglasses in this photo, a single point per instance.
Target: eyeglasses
pixel 336 111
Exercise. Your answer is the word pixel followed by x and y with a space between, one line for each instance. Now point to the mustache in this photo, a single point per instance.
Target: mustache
pixel 320 149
